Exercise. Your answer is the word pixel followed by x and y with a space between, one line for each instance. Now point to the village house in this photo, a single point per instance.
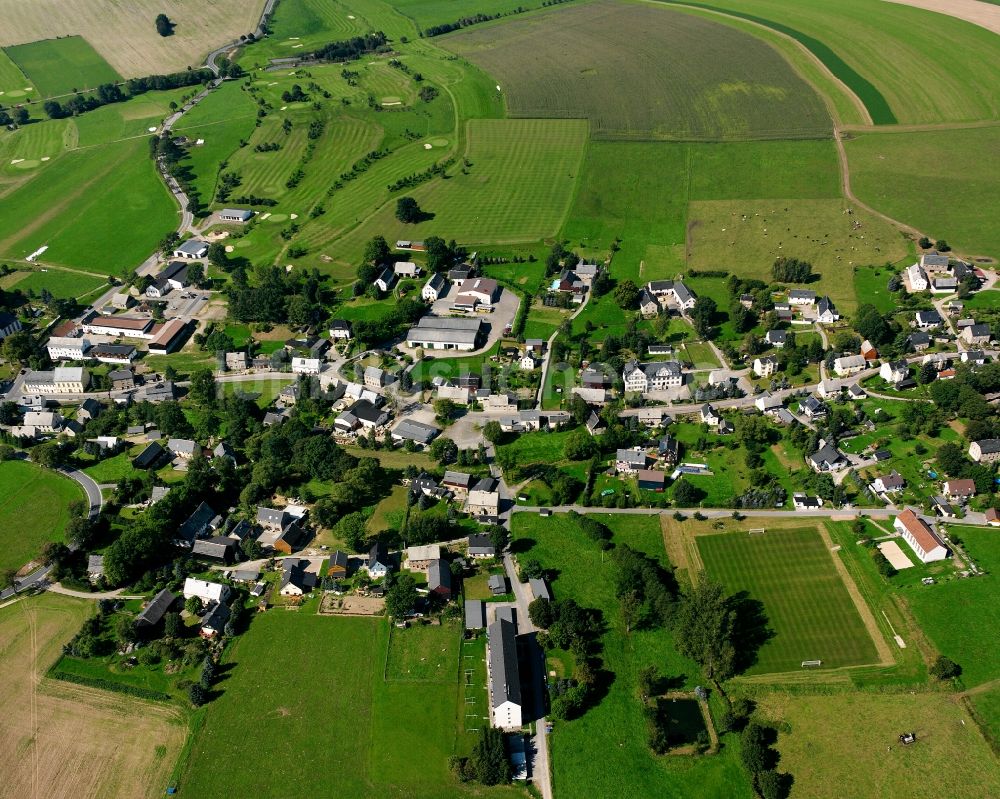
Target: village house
pixel 926 320
pixel 918 341
pixel 67 348
pixel 934 261
pixel 986 450
pixel 340 330
pixel 434 287
pixel 306 366
pixel 827 458
pixel 812 408
pixel 213 623
pixel 847 365
pixel 868 351
pixel 709 415
pixel 801 297
pixel 385 280
pixel 439 578
pixel 766 366
pixel 219 547
pixel 805 502
pixel 650 480
pixel 122 354
pixel 154 611
pixel 481 547
pixel 924 542
pixel 236 361
pixel 826 312
pixel 649 306
pixel 475 614
pixel 378 563
pixel 89 409
pixel 336 567
pixel 776 338
pixel 61 380
pixel 976 334
pixel 418 558
pixel 296 580
pixel 475 293
pixel 150 457
pixel 673 290
pixel 889 484
pixel 960 490
pixel 198 525
pixel 915 278
pixel 183 448
pixel 767 402
pixel 484 506
pixel 630 461
pixel 656 376
pixel 894 371
pixel 205 591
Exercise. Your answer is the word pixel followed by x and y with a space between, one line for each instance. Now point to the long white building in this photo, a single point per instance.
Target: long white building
pixel 503 675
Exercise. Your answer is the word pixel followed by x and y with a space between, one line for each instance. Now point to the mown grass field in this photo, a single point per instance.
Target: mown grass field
pixel 876 48
pixel 518 187
pixel 943 182
pixel 14 84
pixel 366 722
pixel 960 616
pixel 424 653
pixel 299 26
pixel 806 604
pixel 642 72
pixel 75 741
pixel 950 757
pixel 47 494
pixel 61 66
pixel 605 749
pixel 58 283
pixel 124 34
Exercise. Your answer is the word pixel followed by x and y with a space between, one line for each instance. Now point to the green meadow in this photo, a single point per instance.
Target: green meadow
pixel 14 84
pixel 943 182
pixel 62 66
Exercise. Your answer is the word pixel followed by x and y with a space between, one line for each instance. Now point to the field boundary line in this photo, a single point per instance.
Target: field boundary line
pixel 864 611
pixel 848 93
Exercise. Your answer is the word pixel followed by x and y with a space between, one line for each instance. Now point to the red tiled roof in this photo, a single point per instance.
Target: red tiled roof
pixel 917 527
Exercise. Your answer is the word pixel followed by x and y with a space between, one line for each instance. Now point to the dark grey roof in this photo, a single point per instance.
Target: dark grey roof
pixel 149 456
pixel 216 617
pixel 156 608
pixel 481 544
pixel 378 554
pixel 438 575
pixel 218 547
pixel 539 589
pixel 988 446
pixel 504 674
pixel 415 431
pixel 475 614
pixel 294 572
pixel 174 268
pixel 196 522
pixel 366 411
pixel 826 454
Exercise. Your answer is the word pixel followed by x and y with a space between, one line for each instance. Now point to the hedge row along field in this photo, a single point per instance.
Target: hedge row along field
pixel 644 72
pixel 905 64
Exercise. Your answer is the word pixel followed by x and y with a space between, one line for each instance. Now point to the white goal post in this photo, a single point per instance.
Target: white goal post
pixel 811 664
pixel 756 531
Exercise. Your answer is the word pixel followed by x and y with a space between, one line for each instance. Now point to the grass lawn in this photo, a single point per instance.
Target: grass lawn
pixel 986 707
pixel 366 720
pixel 807 606
pixel 57 282
pixel 62 66
pixel 605 749
pixel 961 616
pixel 266 390
pixel 395 458
pixel 47 495
pixel 423 653
pixel 950 758
pixel 959 163
pixel 646 72
pixel 389 512
pixel 870 286
pixel 111 470
pixel 701 355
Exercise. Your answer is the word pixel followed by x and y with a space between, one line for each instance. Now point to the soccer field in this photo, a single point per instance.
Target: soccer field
pixel 808 608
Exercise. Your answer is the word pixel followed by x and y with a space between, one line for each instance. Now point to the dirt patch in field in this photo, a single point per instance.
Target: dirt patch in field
pixel 978 13
pixel 333 605
pixel 64 740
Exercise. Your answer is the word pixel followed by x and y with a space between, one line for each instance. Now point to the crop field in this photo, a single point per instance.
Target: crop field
pixel 96 196
pixel 595 755
pixel 57 282
pixel 61 66
pixel 518 187
pixel 806 604
pixel 745 236
pixel 892 173
pixel 14 84
pixel 875 48
pixel 959 616
pixel 70 740
pixel 645 72
pixel 950 757
pixel 367 722
pixel 124 34
pixel 24 485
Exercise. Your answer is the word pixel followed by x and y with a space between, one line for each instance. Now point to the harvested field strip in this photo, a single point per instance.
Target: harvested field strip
pixel 875 102
pixel 790 576
pixel 645 72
